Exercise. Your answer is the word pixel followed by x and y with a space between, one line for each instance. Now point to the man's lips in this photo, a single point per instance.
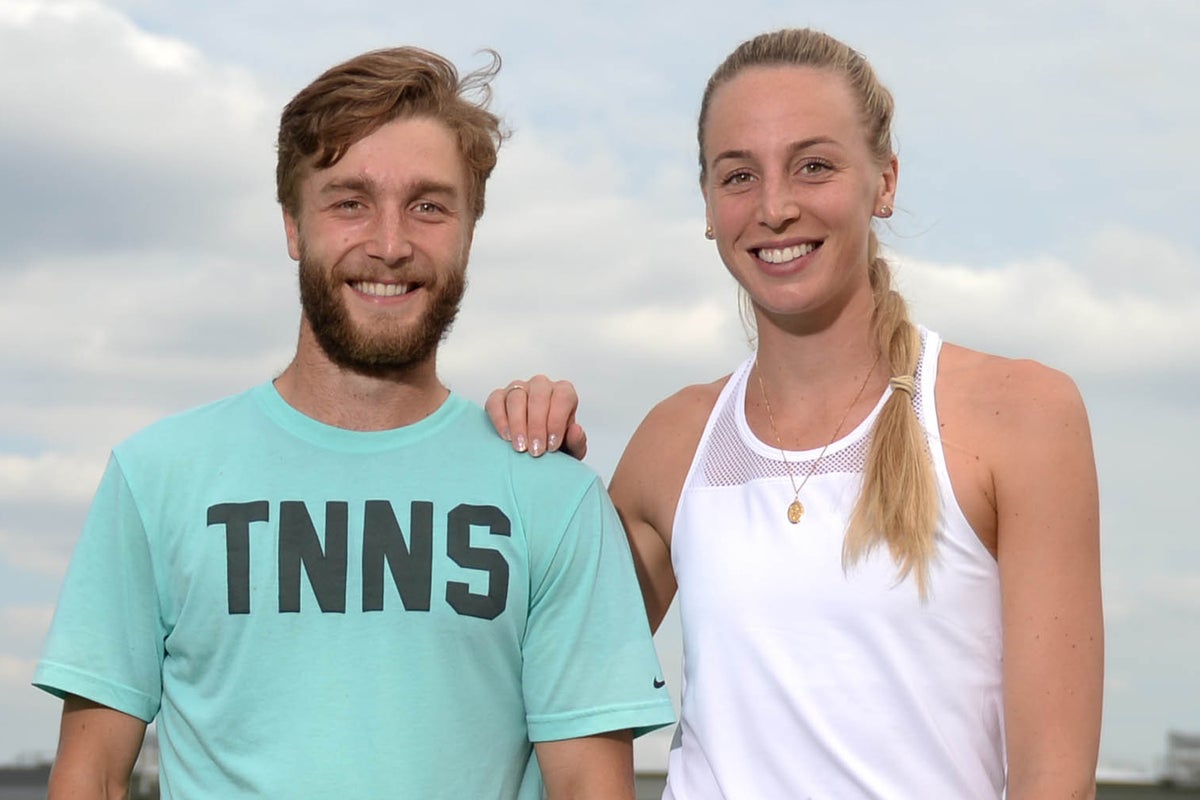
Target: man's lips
pixel 376 289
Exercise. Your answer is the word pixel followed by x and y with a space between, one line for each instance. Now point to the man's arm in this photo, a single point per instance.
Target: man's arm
pixel 596 767
pixel 97 747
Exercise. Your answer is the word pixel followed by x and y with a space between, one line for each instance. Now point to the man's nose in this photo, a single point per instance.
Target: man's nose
pixel 389 239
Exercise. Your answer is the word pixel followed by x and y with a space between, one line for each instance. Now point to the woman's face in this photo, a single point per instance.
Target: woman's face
pixel 791 187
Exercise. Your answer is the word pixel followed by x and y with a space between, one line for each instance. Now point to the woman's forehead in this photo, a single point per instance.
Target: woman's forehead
pixel 792 101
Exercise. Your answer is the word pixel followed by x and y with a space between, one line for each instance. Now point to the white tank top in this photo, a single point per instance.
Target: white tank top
pixel 804 681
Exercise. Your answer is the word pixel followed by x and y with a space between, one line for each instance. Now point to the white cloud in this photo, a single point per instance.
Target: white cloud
pixel 31 716
pixel 24 626
pixel 118 139
pixel 575 274
pixel 15 671
pixel 669 332
pixel 123 91
pixel 49 478
pixel 1129 306
pixel 1130 263
pixel 36 555
pixel 148 330
pixel 1162 594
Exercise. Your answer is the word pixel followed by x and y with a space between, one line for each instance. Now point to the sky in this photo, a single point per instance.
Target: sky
pixel 1046 210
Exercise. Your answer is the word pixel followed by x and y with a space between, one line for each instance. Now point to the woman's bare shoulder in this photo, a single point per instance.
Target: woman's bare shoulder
pixel 649 478
pixel 1007 401
pixel 996 382
pixel 667 438
pixel 685 409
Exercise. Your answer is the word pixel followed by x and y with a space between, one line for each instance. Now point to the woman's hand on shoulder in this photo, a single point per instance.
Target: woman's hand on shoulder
pixel 538 416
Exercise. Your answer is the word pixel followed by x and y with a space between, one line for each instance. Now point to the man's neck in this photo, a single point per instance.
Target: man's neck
pixel 345 398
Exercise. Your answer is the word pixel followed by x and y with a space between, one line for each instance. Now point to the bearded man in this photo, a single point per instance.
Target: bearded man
pixel 340 583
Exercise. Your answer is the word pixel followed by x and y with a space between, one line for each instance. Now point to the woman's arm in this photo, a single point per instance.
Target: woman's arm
pixel 647 484
pixel 1047 540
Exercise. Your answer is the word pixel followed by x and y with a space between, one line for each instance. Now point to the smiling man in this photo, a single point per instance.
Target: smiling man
pixel 340 583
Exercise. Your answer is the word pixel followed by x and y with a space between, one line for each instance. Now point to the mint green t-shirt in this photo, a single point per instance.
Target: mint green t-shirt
pixel 311 612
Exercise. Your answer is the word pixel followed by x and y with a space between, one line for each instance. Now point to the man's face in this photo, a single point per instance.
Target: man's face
pixel 382 238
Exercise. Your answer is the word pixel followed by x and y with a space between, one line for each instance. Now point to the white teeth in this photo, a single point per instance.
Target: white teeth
pixel 381 289
pixel 780 255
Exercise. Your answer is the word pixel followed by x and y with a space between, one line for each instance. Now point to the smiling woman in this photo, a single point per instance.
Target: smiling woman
pixel 885 546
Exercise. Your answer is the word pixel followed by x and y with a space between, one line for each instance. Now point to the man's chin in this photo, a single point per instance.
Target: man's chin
pixel 375 344
pixel 376 362
pixel 380 355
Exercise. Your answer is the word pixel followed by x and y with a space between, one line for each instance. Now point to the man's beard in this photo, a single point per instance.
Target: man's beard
pixel 388 347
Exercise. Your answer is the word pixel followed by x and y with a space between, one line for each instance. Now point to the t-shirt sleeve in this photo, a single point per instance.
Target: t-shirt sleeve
pixel 106 640
pixel 589 660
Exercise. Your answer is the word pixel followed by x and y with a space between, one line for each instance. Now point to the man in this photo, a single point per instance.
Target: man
pixel 341 583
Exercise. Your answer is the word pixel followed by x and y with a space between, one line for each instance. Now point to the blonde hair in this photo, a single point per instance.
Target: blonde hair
pixel 899 503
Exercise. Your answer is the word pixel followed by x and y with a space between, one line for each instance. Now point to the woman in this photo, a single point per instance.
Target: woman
pixel 885 547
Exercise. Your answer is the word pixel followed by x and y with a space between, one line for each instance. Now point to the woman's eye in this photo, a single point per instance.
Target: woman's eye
pixel 735 178
pixel 814 168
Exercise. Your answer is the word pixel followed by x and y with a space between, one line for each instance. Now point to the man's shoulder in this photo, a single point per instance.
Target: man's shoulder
pixel 201 422
pixel 475 424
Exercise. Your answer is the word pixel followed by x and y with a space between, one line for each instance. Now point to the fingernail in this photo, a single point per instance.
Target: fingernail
pixel 506 436
pixel 536 449
pixel 553 443
pixel 520 443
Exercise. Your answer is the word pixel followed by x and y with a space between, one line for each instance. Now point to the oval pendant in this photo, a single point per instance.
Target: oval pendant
pixel 795 511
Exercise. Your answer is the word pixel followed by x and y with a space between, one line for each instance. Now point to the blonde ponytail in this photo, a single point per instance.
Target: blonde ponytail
pixel 899 504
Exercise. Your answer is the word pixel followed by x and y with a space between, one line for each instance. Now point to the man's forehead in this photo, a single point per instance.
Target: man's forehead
pixel 406 152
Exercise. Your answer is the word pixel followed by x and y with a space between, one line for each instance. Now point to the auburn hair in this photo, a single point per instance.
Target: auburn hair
pixel 354 99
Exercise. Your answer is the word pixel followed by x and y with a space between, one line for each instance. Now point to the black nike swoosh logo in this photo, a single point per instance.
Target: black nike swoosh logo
pixel 659 684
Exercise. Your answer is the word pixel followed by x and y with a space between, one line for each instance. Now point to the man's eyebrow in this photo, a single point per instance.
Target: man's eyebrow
pixel 434 187
pixel 360 183
pixel 349 183
pixel 794 147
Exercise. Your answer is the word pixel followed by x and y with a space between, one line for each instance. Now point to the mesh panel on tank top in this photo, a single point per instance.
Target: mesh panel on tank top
pixel 728 461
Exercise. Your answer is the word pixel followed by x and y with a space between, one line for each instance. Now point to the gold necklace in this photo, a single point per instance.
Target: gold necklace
pixel 796 510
